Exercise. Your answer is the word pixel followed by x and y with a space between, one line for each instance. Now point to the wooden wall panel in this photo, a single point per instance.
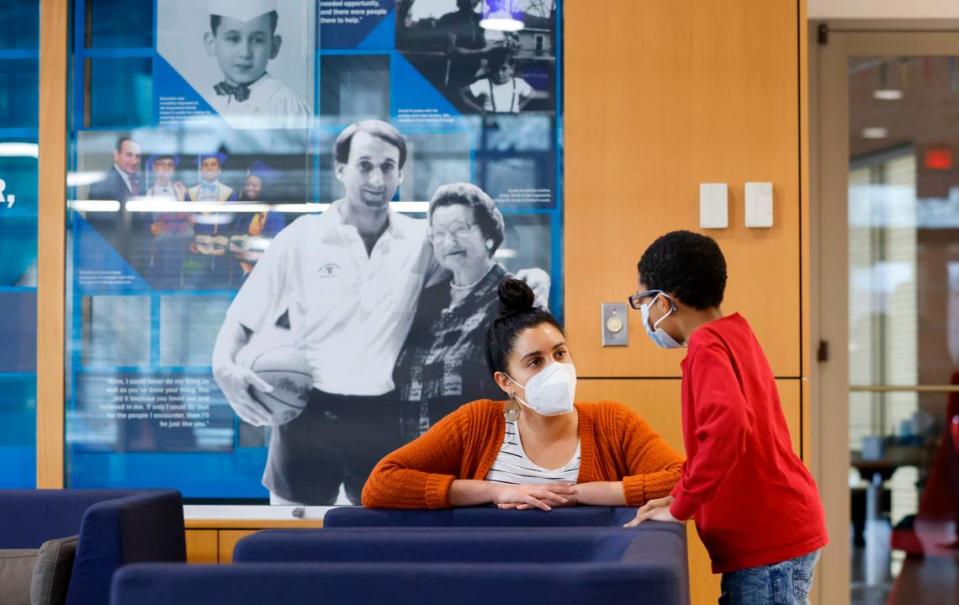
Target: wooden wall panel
pixel 660 97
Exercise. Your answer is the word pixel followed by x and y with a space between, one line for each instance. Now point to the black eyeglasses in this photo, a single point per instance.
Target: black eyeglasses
pixel 636 300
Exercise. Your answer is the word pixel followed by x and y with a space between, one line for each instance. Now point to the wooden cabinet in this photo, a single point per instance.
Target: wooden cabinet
pixel 213 541
pixel 202 546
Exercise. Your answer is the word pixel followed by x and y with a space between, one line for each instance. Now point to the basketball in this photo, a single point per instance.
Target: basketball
pixel 286 369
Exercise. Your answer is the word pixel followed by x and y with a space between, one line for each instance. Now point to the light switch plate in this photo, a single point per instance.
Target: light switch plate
pixel 713 205
pixel 759 205
pixel 615 326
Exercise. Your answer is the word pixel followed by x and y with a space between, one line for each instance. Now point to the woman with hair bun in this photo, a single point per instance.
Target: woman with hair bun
pixel 539 448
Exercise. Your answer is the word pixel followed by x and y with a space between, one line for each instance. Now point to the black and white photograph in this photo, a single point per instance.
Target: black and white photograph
pixel 366 321
pixel 190 210
pixel 485 56
pixel 251 61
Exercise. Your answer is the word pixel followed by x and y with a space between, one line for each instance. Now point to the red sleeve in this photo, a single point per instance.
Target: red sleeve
pixel 419 474
pixel 721 427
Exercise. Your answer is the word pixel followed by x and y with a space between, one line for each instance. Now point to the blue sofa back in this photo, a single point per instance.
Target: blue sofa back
pixel 650 543
pixel 394 583
pixel 579 516
pixel 116 527
pixel 655 552
pixel 44 514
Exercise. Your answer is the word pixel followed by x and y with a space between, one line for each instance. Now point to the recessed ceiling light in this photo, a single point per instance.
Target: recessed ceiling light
pixel 887 94
pixel 875 132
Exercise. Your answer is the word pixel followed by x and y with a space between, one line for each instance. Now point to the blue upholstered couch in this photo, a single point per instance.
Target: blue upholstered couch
pixel 430 565
pixel 114 528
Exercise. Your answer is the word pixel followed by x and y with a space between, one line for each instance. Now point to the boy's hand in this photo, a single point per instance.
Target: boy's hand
pixel 654 510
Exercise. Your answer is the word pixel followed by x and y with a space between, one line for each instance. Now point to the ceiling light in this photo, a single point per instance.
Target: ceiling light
pixel 498 15
pixel 875 132
pixel 887 94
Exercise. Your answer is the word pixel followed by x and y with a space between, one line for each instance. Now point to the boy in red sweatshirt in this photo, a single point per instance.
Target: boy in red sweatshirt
pixel 756 506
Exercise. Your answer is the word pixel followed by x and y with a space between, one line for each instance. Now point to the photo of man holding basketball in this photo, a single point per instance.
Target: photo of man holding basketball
pixel 346 284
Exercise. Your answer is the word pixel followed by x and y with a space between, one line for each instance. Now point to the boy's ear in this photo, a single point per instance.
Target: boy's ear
pixel 275 46
pixel 666 303
pixel 209 41
pixel 338 171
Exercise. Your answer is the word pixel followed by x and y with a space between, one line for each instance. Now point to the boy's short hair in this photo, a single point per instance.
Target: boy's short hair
pixel 497 57
pixel 377 128
pixel 215 22
pixel 687 265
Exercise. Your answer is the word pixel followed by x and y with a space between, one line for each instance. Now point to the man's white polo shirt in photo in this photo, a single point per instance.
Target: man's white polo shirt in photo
pixel 349 311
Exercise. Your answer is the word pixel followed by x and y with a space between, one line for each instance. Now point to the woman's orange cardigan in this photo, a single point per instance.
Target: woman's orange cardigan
pixel 615 445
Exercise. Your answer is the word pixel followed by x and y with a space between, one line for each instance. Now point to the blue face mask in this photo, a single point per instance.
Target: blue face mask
pixel 658 335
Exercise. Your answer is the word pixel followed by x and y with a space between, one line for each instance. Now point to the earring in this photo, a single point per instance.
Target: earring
pixel 512 411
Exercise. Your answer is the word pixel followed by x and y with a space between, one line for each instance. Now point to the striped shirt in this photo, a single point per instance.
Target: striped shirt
pixel 513 466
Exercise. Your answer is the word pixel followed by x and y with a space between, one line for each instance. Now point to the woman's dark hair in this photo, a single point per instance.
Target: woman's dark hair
pixel 687 265
pixel 516 313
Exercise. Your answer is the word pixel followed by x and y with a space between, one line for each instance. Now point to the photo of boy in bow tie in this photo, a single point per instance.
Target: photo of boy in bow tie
pixel 243 39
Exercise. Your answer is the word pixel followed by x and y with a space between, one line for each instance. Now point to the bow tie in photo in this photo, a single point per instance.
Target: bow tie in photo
pixel 240 93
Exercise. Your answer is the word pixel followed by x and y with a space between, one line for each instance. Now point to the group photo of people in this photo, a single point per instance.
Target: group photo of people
pixel 144 205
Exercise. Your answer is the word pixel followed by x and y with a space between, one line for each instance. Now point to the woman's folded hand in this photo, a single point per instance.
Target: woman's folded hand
pixel 543 496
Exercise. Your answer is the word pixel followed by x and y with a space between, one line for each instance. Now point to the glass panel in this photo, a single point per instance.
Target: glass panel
pixel 903 250
pixel 206 188
pixel 19 84
pixel 26 15
pixel 120 93
pixel 19 51
pixel 119 23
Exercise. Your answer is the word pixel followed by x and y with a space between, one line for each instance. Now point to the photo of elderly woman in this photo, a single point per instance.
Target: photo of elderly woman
pixel 440 366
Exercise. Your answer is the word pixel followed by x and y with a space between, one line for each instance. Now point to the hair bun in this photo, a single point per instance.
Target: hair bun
pixel 515 297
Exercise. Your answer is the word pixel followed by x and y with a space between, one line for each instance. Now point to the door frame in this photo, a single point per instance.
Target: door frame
pixel 829 52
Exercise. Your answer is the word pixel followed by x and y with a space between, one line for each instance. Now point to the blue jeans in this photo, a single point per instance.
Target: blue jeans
pixel 785 583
